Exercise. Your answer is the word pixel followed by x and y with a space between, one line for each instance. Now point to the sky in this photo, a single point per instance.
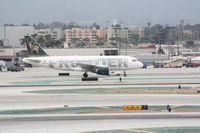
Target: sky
pixel 103 12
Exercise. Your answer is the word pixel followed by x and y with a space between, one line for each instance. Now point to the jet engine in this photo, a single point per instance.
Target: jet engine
pixel 102 71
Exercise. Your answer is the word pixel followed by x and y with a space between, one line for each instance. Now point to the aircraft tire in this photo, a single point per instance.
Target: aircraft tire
pixel 85 75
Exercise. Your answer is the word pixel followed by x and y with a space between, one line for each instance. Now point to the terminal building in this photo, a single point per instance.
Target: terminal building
pixel 11 35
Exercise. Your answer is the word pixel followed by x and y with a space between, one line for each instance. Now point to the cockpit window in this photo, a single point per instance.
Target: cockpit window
pixel 133 60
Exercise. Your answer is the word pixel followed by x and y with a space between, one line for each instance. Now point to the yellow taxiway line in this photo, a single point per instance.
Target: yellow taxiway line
pixel 139 131
pixel 102 107
pixel 175 106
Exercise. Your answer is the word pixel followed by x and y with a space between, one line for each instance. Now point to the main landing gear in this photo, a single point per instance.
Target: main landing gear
pixel 85 75
pixel 86 78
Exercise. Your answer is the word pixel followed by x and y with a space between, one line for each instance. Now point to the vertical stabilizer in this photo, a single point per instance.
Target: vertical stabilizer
pixel 33 46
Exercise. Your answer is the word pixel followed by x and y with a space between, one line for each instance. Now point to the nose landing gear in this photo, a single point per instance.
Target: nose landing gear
pixel 125 74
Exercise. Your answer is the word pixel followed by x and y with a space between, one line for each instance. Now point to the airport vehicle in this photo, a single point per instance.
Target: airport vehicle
pixel 15 69
pixel 113 73
pixel 2 63
pixel 101 65
pixel 3 69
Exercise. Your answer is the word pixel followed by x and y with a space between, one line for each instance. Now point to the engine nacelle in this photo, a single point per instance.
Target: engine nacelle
pixel 102 71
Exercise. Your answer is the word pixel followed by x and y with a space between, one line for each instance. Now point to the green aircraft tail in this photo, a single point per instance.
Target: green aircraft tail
pixel 33 46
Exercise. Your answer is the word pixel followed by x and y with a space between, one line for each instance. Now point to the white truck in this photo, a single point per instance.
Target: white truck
pixel 3 69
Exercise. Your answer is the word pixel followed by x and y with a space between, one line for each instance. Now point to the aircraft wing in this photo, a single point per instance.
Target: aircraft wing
pixel 101 70
pixel 88 67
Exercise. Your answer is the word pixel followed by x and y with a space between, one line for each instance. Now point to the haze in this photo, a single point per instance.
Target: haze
pixel 103 12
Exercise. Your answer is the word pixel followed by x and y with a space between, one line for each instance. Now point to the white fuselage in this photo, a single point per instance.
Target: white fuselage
pixel 73 63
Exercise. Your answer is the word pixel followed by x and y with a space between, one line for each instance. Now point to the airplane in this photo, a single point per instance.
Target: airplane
pixel 101 65
pixel 194 61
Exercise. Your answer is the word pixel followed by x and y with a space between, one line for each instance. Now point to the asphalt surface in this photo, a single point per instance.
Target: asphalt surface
pixel 15 88
pixel 170 115
pixel 77 126
pixel 102 84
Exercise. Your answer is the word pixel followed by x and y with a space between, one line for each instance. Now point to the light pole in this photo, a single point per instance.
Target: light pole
pixel 4 40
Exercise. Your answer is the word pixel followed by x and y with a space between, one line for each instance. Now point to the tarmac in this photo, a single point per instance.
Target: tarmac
pixel 155 130
pixel 38 100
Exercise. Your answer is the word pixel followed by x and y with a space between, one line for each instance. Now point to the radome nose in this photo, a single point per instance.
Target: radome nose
pixel 140 64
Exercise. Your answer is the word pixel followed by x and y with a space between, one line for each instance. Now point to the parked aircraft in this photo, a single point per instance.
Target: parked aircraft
pixel 194 61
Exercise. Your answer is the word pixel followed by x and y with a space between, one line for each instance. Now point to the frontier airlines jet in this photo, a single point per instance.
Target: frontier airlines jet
pixel 102 65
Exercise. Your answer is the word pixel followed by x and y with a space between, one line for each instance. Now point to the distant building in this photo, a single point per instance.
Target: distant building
pixel 171 35
pixel 116 31
pixel 41 32
pixel 179 62
pixel 56 33
pixel 11 35
pixel 137 30
pixel 90 35
pixel 102 33
pixel 59 33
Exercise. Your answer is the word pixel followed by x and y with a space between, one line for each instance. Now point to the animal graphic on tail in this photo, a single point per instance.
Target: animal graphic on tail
pixel 33 48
